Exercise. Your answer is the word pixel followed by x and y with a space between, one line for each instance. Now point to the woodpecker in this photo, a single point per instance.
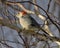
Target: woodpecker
pixel 26 21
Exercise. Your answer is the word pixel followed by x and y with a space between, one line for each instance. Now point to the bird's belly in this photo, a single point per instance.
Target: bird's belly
pixel 25 23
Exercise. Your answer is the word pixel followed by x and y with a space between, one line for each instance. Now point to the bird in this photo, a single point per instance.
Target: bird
pixel 29 23
pixel 26 21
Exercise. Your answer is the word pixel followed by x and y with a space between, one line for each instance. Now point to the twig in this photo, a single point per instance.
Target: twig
pixel 12 42
pixel 49 5
pixel 37 6
pixel 6 44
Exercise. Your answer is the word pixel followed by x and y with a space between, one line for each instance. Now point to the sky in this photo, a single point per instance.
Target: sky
pixel 9 32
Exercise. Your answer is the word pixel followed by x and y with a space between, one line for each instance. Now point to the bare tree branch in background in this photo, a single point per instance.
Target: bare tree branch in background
pixel 47 33
pixel 33 13
pixel 49 5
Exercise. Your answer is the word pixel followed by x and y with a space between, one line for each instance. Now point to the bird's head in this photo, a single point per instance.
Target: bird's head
pixel 22 13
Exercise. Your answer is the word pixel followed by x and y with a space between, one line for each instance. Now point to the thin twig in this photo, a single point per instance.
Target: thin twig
pixel 40 8
pixel 6 44
pixel 49 5
pixel 12 42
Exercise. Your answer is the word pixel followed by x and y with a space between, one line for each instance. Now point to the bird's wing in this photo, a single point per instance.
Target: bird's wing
pixel 34 22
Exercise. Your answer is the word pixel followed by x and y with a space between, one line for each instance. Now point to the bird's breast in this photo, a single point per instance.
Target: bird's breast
pixel 25 22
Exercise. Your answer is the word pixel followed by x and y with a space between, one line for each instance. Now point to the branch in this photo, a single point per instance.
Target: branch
pixel 6 45
pixel 18 3
pixel 6 23
pixel 30 31
pixel 12 42
pixel 45 38
pixel 49 5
